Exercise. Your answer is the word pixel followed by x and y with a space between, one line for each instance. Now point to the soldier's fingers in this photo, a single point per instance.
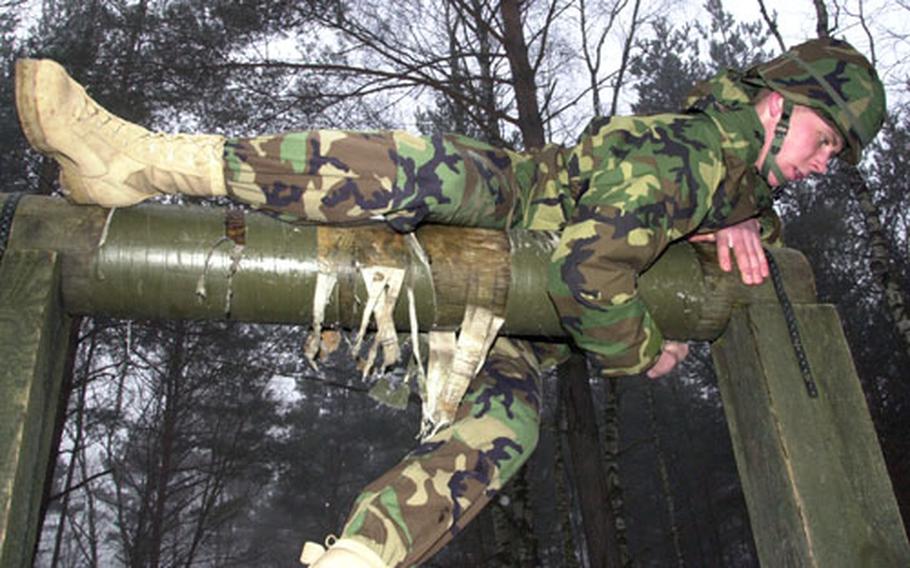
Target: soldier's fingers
pixel 745 260
pixel 703 238
pixel 723 254
pixel 671 354
pixel 763 262
pixel 665 362
pixel 678 349
pixel 758 260
pixel 750 257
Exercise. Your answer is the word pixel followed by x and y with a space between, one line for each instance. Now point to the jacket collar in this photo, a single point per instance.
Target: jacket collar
pixel 743 192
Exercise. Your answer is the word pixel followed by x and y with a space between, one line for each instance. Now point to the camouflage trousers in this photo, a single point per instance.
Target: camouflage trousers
pixel 417 507
pixel 347 177
pixel 413 510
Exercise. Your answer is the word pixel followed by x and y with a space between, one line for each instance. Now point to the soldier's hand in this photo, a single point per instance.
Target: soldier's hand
pixel 671 354
pixel 745 240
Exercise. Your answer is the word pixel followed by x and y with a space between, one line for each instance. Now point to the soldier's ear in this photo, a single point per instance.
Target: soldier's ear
pixel 775 104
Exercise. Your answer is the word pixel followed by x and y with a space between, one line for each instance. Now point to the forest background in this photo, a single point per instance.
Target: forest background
pixel 216 444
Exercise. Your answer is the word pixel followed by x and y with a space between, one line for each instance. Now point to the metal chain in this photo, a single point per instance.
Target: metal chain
pixel 6 219
pixel 790 317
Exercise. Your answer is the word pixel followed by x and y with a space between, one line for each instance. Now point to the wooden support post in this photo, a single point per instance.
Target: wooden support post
pixel 587 467
pixel 33 337
pixel 811 468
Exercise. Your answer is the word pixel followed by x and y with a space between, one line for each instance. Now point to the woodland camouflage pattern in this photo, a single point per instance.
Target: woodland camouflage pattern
pixel 619 197
pixel 832 77
pixel 826 74
pixel 342 177
pixel 417 507
pixel 643 183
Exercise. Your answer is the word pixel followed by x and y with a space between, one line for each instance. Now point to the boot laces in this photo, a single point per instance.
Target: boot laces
pixel 174 148
pixel 96 115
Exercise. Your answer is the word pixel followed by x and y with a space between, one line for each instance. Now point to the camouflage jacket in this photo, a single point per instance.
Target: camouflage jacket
pixel 637 184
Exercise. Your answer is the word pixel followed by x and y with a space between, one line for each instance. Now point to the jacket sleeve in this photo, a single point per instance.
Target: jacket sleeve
pixel 771 227
pixel 613 236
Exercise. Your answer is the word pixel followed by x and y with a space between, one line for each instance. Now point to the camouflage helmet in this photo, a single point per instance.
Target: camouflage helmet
pixel 832 77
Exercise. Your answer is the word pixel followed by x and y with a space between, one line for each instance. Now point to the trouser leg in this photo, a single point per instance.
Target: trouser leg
pixel 340 177
pixel 414 509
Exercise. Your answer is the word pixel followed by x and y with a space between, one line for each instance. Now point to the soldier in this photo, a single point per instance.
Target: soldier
pixel 628 188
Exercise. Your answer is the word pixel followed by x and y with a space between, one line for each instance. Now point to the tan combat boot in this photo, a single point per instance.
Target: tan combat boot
pixel 103 159
pixel 342 553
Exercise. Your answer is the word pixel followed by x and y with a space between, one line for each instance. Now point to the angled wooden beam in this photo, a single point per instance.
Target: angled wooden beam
pixel 811 468
pixel 33 341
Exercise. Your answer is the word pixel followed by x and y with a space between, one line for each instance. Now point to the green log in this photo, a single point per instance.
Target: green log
pixel 145 262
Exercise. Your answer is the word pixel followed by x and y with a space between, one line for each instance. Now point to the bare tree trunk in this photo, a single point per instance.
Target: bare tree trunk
pixel 502 536
pixel 164 469
pixel 452 17
pixel 592 56
pixel 336 509
pixel 216 479
pixel 131 543
pixel 564 496
pixel 592 62
pixel 529 119
pixel 91 513
pixel 821 12
pixel 701 478
pixel 78 429
pixel 132 53
pixel 611 461
pixel 664 477
pixel 487 83
pixel 529 553
pixel 591 480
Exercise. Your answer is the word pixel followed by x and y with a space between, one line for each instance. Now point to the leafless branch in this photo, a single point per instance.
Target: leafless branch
pixel 478 16
pixel 627 48
pixel 553 13
pixel 861 16
pixel 79 485
pixel 772 24
pixel 593 60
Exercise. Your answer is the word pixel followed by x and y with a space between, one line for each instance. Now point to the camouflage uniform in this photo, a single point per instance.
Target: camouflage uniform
pixel 619 197
pixel 413 510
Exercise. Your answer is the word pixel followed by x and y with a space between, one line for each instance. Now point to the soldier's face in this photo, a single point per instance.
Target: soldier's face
pixel 810 145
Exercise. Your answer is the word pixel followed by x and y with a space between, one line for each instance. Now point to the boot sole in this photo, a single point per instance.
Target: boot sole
pixel 27 93
pixel 27 104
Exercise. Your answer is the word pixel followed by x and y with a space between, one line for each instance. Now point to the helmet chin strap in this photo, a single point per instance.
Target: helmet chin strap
pixel 780 132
